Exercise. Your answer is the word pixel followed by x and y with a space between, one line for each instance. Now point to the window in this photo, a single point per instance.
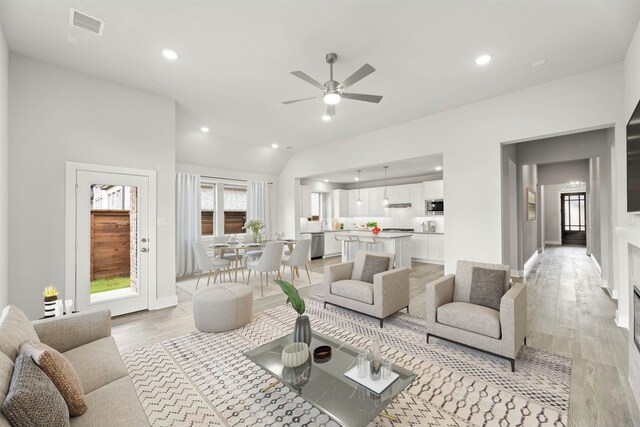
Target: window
pixel 235 209
pixel 208 208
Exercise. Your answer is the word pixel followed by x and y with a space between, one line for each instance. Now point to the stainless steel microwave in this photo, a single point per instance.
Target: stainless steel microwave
pixel 434 207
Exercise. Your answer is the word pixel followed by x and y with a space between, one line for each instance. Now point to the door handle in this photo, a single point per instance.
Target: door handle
pixel 144 250
pixel 144 240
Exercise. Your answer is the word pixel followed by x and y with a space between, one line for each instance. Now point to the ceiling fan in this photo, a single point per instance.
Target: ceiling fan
pixel 332 91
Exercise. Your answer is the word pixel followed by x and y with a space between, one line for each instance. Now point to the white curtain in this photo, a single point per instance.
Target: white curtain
pixel 187 221
pixel 258 203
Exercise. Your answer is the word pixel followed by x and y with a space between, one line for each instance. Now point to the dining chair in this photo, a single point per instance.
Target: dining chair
pixel 300 257
pixel 206 263
pixel 269 261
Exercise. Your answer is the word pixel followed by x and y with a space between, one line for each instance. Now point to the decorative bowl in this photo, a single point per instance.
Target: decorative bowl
pixel 295 354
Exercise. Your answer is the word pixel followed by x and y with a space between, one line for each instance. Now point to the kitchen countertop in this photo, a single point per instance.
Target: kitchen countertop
pixel 364 231
pixel 381 235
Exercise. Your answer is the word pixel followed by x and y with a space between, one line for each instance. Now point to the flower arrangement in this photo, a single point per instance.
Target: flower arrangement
pixel 255 225
pixel 50 291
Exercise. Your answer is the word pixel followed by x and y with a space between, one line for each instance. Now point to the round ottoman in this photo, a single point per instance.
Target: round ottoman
pixel 223 307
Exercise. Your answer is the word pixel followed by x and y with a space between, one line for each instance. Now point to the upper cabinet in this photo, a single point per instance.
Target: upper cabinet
pixel 399 194
pixel 433 190
pixel 305 201
pixel 376 201
pixel 417 199
pixel 340 203
pixel 358 210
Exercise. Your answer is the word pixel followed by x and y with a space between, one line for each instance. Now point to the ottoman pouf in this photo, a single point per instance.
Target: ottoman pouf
pixel 223 307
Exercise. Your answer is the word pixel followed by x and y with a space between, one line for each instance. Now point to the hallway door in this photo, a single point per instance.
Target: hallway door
pixel 574 218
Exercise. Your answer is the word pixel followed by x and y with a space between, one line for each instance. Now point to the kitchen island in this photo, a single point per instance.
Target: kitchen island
pixel 390 242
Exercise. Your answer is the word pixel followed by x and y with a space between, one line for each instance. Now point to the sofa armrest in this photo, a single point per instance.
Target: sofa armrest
pixel 439 292
pixel 391 290
pixel 336 272
pixel 513 318
pixel 71 331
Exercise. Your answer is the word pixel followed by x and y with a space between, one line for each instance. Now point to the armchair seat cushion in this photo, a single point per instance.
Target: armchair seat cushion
pixel 354 290
pixel 470 317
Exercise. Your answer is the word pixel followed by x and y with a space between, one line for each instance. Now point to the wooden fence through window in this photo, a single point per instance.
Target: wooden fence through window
pixel 110 244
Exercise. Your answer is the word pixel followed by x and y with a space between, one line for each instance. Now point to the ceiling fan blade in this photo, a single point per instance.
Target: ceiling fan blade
pixel 362 97
pixel 308 79
pixel 331 110
pixel 360 74
pixel 299 100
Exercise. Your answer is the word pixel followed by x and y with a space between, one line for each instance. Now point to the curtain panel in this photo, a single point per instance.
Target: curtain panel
pixel 187 222
pixel 258 203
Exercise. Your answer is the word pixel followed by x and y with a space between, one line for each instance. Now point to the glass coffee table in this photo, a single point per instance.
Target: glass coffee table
pixel 323 383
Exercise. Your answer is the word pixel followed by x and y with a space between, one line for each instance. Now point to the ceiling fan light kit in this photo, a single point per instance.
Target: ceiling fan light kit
pixel 332 90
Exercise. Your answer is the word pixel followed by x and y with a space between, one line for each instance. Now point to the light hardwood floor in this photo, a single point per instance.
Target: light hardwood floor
pixel 569 314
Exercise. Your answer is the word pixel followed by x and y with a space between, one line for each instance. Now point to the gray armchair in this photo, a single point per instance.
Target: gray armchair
pixel 388 293
pixel 450 315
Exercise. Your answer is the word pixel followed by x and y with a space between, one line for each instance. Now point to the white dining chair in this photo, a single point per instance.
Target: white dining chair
pixel 300 257
pixel 207 264
pixel 269 261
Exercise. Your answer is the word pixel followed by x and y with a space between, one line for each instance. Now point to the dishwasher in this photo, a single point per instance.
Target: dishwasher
pixel 317 245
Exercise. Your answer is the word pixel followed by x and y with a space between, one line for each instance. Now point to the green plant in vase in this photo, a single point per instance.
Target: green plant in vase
pixel 50 294
pixel 256 225
pixel 302 329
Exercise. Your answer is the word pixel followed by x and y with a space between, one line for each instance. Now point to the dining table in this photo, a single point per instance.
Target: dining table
pixel 239 247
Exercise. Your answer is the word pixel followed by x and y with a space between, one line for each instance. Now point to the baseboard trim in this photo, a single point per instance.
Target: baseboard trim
pixel 595 261
pixel 530 262
pixel 165 302
pixel 553 242
pixel 517 273
pixel 622 321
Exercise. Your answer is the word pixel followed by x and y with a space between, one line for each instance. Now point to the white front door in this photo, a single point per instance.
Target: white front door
pixel 112 241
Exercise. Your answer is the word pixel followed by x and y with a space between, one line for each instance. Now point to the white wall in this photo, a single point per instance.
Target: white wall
pixel 528 228
pixel 4 171
pixel 57 115
pixel 552 234
pixel 469 138
pixel 241 175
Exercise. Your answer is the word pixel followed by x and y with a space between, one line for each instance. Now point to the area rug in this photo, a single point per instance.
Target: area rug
pixel 189 285
pixel 204 379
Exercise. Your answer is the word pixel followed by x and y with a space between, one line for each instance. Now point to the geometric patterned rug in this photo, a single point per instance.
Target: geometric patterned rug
pixel 204 379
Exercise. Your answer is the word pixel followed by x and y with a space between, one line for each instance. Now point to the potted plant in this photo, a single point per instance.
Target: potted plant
pixel 255 225
pixel 373 226
pixel 50 294
pixel 302 329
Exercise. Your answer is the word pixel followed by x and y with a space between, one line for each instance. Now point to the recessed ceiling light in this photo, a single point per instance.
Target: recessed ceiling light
pixel 204 129
pixel 326 180
pixel 326 117
pixel 274 145
pixel 539 63
pixel 438 168
pixel 483 59
pixel 356 179
pixel 169 54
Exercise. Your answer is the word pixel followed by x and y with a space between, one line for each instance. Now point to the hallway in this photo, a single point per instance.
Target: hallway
pixel 570 314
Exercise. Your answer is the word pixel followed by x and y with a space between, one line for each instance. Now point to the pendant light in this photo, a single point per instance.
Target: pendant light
pixel 359 201
pixel 386 199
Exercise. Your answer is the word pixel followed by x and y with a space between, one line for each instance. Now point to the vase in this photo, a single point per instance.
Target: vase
pixel 256 237
pixel 375 361
pixel 302 330
pixel 50 306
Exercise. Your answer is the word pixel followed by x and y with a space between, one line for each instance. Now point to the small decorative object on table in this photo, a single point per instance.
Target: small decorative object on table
pixel 255 225
pixel 322 354
pixel 375 360
pixel 295 354
pixel 50 294
pixel 302 329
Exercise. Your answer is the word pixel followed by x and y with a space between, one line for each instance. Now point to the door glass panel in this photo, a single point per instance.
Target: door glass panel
pixel 113 242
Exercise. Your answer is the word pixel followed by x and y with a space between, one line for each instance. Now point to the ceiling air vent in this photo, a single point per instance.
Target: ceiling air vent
pixel 82 20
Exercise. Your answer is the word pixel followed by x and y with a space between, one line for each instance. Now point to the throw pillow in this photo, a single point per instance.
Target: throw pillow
pixel 487 287
pixel 32 399
pixel 61 372
pixel 15 328
pixel 372 266
pixel 6 372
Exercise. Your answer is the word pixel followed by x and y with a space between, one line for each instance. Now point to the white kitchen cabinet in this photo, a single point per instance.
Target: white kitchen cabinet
pixel 340 203
pixel 332 247
pixel 376 201
pixel 399 194
pixel 428 248
pixel 417 199
pixel 305 201
pixel 355 210
pixel 434 190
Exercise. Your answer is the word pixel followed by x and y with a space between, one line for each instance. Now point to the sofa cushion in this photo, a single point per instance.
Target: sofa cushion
pixel 358 262
pixel 115 404
pixel 464 275
pixel 6 371
pixel 97 363
pixel 32 399
pixel 487 287
pixel 61 372
pixel 372 266
pixel 353 289
pixel 15 328
pixel 470 317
